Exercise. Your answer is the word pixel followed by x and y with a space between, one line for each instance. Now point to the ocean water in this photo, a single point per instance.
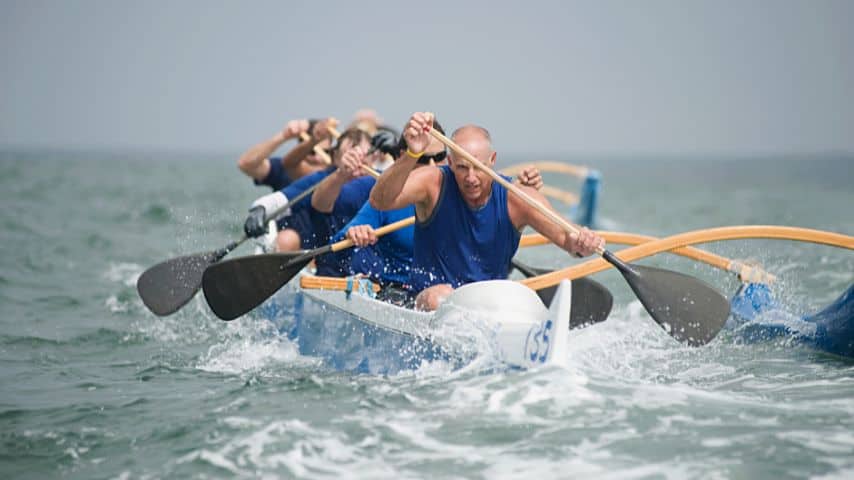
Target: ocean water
pixel 92 385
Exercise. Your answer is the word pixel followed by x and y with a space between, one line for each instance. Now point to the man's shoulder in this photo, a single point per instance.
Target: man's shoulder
pixel 429 174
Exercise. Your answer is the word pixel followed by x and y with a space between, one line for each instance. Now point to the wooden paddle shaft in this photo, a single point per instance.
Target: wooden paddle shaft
pixel 391 227
pixel 335 133
pixel 509 186
pixel 317 150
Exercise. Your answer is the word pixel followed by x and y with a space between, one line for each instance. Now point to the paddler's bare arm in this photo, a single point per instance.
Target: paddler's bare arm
pixel 323 198
pixel 253 161
pixel 522 214
pixel 293 159
pixel 399 185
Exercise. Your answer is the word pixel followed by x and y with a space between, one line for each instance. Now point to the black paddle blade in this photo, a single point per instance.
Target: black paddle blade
pixel 689 309
pixel 168 286
pixel 591 301
pixel 235 287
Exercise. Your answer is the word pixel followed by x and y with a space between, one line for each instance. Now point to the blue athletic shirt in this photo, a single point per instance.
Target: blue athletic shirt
pixel 276 178
pixel 300 217
pixel 353 195
pixel 458 244
pixel 390 259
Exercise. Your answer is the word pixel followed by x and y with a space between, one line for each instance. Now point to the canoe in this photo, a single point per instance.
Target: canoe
pixel 498 321
pixel 757 316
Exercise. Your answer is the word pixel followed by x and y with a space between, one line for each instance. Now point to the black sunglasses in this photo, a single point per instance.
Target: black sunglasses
pixel 435 157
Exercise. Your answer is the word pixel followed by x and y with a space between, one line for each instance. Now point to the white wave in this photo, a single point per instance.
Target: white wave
pixel 239 355
pixel 125 273
pixel 114 305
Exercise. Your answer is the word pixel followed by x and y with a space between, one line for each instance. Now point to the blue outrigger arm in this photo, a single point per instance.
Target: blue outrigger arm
pixel 585 212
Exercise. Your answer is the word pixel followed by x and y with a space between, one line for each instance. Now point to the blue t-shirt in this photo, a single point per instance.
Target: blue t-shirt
pixel 276 178
pixel 353 195
pixel 390 259
pixel 300 217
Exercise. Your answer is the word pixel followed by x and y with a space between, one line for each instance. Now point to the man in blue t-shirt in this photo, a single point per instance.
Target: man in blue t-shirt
pixel 315 227
pixel 279 172
pixel 339 197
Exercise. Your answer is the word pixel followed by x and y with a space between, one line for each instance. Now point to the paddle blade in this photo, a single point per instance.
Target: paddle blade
pixel 235 287
pixel 689 309
pixel 591 301
pixel 168 286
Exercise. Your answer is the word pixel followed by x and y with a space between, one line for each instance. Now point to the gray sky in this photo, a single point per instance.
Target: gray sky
pixel 544 77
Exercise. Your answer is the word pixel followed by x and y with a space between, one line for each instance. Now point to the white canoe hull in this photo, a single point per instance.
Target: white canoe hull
pixel 499 318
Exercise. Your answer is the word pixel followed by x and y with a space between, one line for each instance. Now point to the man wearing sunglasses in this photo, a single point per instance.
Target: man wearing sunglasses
pixel 467 227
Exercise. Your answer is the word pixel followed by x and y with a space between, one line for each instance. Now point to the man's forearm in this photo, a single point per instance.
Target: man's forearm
pixel 251 162
pixel 298 153
pixel 323 198
pixel 391 182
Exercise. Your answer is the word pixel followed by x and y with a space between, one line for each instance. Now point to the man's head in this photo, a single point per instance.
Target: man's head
pixel 366 120
pixel 350 138
pixel 474 184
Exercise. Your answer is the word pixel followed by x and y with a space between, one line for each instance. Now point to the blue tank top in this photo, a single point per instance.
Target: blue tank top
pixel 458 244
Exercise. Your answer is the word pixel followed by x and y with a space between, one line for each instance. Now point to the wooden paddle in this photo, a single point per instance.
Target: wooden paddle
pixel 235 287
pixel 169 285
pixel 688 309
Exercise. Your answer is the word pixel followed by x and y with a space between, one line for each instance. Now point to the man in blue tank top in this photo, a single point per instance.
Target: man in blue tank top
pixel 467 227
pixel 388 259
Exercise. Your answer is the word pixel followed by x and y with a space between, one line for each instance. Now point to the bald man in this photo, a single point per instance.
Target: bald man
pixel 467 227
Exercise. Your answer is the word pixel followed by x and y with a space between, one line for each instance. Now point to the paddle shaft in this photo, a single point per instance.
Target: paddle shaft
pixel 344 244
pixel 305 137
pixel 222 252
pixel 335 133
pixel 391 227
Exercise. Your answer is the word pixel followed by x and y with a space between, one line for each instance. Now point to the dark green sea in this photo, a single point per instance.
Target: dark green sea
pixel 93 386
